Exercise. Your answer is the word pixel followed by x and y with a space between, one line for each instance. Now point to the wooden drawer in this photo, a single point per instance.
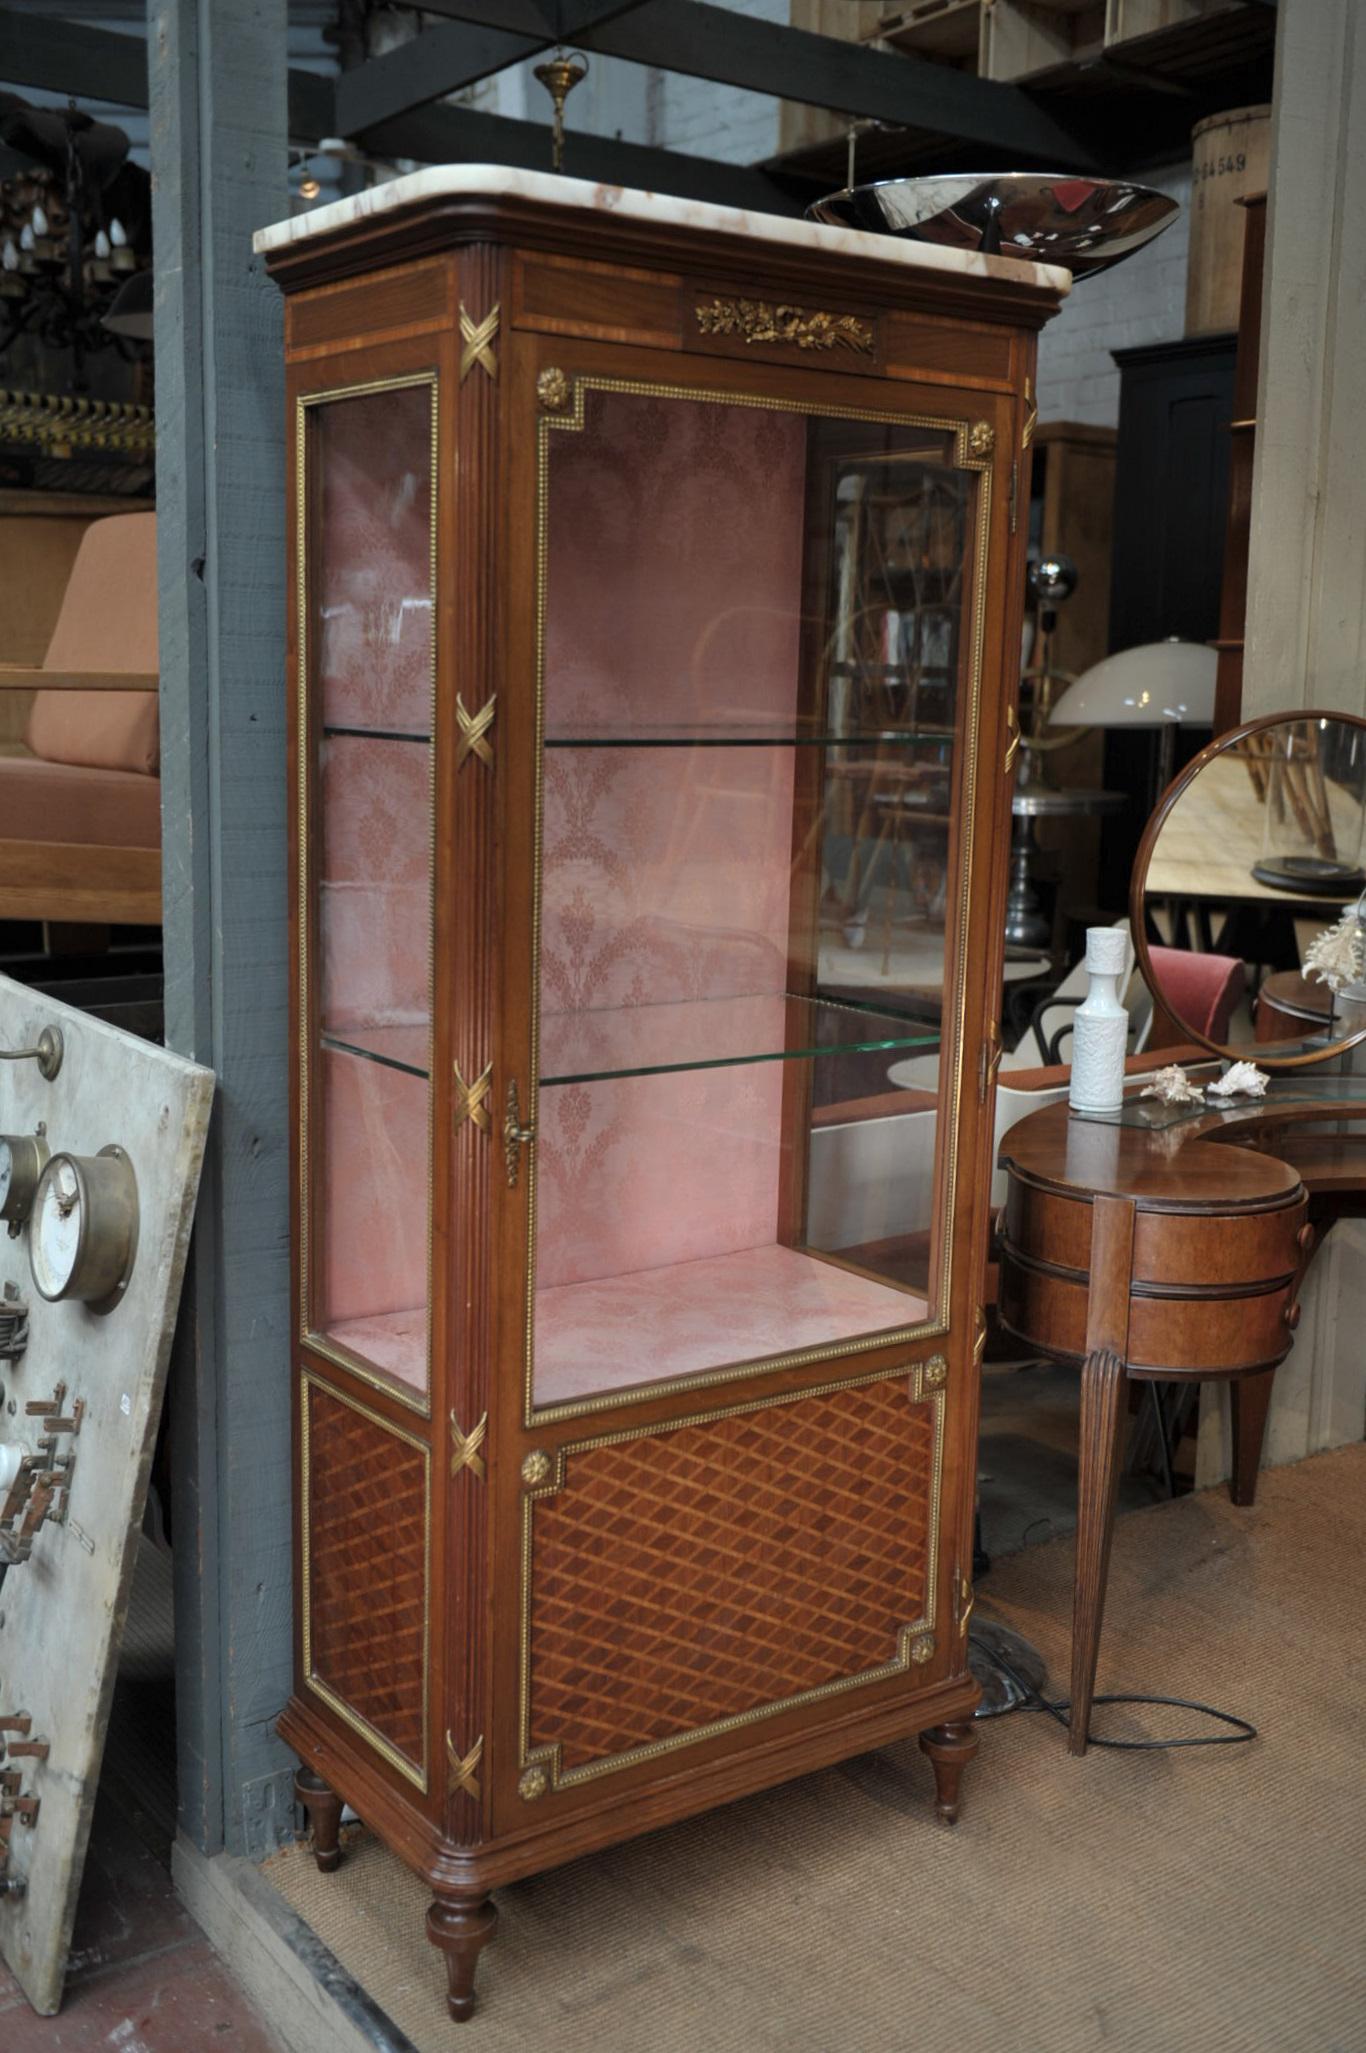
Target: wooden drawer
pixel 1220 1250
pixel 1194 1334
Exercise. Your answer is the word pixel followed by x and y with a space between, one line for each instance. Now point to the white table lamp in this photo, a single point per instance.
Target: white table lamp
pixel 1159 684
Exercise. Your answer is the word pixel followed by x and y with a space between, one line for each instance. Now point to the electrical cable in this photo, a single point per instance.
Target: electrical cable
pixel 1033 1700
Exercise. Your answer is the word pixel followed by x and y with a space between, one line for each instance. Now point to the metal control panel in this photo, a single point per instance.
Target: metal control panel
pixel 101 1144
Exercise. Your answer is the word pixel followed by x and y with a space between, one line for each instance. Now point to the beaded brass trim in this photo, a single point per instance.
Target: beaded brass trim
pixel 571 421
pixel 915 1642
pixel 317 1342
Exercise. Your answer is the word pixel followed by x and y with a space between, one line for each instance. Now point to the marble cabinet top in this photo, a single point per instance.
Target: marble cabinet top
pixel 440 181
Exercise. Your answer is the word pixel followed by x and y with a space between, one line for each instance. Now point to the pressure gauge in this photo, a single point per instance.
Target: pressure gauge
pixel 84 1232
pixel 21 1164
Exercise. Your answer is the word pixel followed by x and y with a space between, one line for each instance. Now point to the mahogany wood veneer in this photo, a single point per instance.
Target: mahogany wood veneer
pixel 536 1617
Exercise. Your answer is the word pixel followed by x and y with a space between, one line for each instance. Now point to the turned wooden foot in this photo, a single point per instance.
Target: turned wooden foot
pixel 324 1809
pixel 949 1748
pixel 462 1931
pixel 1249 1399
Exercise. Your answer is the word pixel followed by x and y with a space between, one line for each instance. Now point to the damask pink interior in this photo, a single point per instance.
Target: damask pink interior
pixel 690 1316
pixel 372 568
pixel 372 1255
pixel 666 897
pixel 373 624
pixel 666 890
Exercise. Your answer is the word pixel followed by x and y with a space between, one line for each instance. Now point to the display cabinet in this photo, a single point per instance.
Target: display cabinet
pixel 657 616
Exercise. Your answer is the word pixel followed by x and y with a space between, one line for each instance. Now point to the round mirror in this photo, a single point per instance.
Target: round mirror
pixel 1249 881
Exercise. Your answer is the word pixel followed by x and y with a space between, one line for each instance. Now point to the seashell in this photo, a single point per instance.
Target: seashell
pixel 1337 955
pixel 1174 1087
pixel 1240 1080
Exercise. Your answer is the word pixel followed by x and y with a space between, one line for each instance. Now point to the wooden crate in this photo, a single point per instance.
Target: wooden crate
pixel 946 29
pixel 1021 38
pixel 1127 19
pixel 997 39
pixel 801 127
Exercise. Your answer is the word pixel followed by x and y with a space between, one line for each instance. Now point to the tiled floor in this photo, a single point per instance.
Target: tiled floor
pixel 143 1978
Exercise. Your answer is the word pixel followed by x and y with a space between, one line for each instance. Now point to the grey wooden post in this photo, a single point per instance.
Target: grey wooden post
pixel 219 164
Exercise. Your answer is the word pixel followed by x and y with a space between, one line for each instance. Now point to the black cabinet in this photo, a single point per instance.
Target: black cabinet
pixel 1171 507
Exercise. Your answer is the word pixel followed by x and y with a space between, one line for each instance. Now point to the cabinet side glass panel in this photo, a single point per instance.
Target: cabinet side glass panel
pixel 757 638
pixel 370 620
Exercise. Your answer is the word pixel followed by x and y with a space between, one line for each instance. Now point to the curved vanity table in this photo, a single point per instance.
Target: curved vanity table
pixel 1169 1241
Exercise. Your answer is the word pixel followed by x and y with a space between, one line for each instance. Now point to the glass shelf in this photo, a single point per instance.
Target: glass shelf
pixel 660 1040
pixel 405 1048
pixel 714 1033
pixel 332 732
pixel 701 736
pixel 751 734
pixel 1331 1089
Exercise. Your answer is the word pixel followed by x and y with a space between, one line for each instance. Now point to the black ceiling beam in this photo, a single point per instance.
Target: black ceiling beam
pixel 69 57
pixel 846 78
pixel 441 60
pixel 545 21
pixel 573 18
pixel 312 108
pixel 88 63
pixel 444 134
pixel 458 53
pixel 732 49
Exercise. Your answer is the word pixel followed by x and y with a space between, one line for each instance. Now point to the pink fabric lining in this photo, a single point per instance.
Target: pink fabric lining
pixel 395 1342
pixel 666 870
pixel 375 1148
pixel 373 570
pixel 694 1316
pixel 372 631
pixel 639 1172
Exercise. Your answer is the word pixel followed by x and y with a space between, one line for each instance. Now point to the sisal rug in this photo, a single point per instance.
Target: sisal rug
pixel 1207 1901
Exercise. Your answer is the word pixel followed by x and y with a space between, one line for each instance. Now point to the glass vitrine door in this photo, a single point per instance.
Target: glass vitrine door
pixel 367 497
pixel 758 653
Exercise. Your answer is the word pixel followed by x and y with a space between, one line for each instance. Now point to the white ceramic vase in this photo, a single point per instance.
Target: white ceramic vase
pixel 1101 1026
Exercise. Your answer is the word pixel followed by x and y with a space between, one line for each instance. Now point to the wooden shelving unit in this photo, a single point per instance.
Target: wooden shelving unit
pixel 1129 77
pixel 1009 40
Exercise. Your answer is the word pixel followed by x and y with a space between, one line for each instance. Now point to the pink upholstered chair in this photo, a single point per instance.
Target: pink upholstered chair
pixel 80 814
pixel 1199 991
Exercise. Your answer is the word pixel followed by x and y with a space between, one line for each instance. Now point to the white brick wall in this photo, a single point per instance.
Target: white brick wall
pixel 708 120
pixel 1142 300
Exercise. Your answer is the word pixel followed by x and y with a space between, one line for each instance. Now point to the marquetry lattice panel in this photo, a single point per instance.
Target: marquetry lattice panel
pixel 366 1553
pixel 697 1575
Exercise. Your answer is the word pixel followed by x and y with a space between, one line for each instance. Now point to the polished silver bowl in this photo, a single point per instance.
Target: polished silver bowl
pixel 1045 217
